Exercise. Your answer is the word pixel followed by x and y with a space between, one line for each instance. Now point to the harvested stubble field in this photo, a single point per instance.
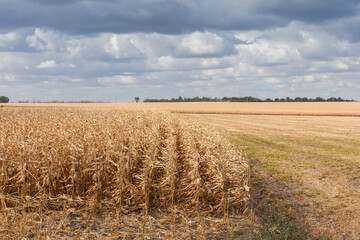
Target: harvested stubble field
pixel 304 168
pixel 243 108
pixel 116 174
pixel 304 176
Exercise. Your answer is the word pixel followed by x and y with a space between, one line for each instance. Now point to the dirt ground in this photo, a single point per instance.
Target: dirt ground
pixel 310 166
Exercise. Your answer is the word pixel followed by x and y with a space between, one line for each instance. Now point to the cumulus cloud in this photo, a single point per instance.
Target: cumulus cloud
pixel 12 63
pixel 47 64
pixel 167 63
pixel 273 80
pixel 45 40
pixel 117 79
pixel 156 48
pixel 201 44
pixel 77 80
pixel 121 47
pixel 268 52
pixel 6 39
pixel 107 47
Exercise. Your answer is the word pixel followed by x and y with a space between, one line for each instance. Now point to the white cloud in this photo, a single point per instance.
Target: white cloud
pixel 192 45
pixel 294 58
pixel 104 47
pixel 342 66
pixel 7 78
pixel 320 45
pixel 74 47
pixel 233 72
pixel 201 43
pixel 155 44
pixel 11 36
pixel 309 78
pixel 47 64
pixel 268 52
pixel 13 62
pixel 273 80
pixel 7 39
pixel 43 40
pixel 200 83
pixel 186 64
pixel 121 47
pixel 77 80
pixel 117 79
pixel 305 79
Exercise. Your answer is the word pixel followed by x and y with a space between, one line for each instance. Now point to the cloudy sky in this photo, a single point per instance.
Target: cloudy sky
pixel 114 50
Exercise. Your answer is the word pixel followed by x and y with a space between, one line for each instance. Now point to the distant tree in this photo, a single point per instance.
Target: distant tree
pixel 245 99
pixel 4 99
pixel 196 99
pixel 137 99
pixel 319 99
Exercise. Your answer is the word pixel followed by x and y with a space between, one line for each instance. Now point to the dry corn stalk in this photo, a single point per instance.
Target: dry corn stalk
pixel 122 160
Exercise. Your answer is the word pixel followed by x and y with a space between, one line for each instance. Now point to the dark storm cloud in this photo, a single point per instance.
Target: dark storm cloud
pixel 310 11
pixel 54 2
pixel 346 29
pixel 171 17
pixel 82 17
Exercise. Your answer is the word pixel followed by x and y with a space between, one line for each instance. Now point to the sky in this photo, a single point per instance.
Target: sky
pixel 115 50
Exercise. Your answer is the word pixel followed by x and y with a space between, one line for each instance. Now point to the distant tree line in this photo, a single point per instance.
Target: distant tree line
pixel 4 99
pixel 249 99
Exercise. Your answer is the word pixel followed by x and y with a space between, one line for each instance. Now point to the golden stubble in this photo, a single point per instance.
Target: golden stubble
pixel 239 108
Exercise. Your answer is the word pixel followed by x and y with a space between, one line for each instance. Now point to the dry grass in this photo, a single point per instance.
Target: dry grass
pixel 63 169
pixel 264 108
pixel 309 165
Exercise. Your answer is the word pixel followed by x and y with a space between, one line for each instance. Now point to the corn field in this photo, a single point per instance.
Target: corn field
pixel 65 163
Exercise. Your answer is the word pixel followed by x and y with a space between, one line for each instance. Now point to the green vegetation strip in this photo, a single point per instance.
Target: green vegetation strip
pixel 277 155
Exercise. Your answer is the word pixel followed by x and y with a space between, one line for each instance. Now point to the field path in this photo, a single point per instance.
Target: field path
pixel 312 166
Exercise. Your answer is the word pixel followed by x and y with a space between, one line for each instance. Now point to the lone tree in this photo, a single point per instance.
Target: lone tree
pixel 4 99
